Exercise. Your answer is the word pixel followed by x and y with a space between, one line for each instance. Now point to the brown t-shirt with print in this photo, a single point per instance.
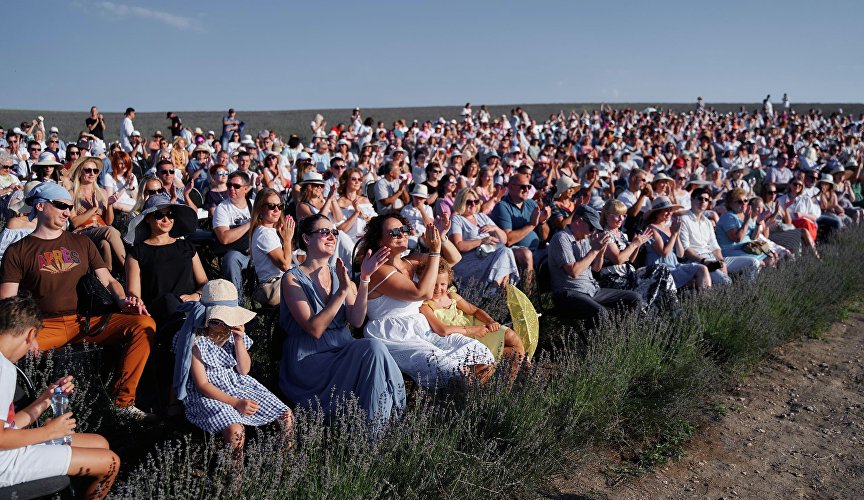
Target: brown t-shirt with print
pixel 51 269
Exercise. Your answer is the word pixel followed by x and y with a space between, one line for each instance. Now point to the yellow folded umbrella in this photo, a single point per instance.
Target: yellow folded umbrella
pixel 526 321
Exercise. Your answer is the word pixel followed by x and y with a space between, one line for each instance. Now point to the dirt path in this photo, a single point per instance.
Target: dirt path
pixel 793 429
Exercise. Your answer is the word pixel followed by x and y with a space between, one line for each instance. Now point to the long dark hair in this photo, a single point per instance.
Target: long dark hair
pixel 306 225
pixel 372 236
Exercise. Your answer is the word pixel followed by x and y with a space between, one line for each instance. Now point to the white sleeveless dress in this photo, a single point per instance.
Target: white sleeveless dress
pixel 425 356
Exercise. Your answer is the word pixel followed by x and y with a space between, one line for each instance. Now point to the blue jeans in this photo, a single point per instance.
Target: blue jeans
pixel 233 264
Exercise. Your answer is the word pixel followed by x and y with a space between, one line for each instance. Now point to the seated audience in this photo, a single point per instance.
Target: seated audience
pixel 272 233
pixel 654 283
pixel 94 212
pixel 664 246
pixel 28 453
pixel 212 364
pixel 573 254
pixel 321 362
pixel 49 263
pixel 448 313
pixel 485 256
pixel 394 307
pixel 231 220
pixel 161 269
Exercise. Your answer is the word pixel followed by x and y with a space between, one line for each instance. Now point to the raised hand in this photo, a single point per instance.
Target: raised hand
pixel 433 238
pixel 644 237
pixel 442 223
pixel 371 262
pixel 286 229
pixel 599 240
pixel 676 224
pixel 342 274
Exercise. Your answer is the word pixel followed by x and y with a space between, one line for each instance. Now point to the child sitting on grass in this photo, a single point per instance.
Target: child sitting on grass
pixel 25 454
pixel 448 313
pixel 220 396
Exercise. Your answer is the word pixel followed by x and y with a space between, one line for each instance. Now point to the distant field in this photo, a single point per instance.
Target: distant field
pixel 297 121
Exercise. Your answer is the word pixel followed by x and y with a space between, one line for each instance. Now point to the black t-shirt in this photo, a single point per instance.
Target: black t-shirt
pixel 176 126
pixel 99 130
pixel 166 273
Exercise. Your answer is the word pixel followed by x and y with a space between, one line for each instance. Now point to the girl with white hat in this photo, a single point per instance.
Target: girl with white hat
pixel 211 370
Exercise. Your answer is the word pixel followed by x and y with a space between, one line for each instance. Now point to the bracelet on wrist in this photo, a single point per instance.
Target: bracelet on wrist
pixel 367 280
pixel 434 254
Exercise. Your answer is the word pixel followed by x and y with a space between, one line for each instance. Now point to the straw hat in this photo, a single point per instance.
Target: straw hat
pixel 563 184
pixel 185 219
pixel 312 178
pixel 220 298
pixel 663 203
pixel 662 177
pixel 47 160
pixel 420 191
pixel 847 174
pixel 827 179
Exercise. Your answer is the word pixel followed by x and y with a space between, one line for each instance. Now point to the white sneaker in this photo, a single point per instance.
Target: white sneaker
pixel 134 413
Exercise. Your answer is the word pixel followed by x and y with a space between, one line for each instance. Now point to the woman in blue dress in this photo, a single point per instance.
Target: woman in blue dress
pixel 321 361
pixel 662 247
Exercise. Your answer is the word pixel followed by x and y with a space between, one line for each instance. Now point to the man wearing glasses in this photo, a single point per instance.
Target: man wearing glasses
pixel 524 222
pixel 166 173
pixel 231 227
pixel 700 242
pixel 25 168
pixel 49 263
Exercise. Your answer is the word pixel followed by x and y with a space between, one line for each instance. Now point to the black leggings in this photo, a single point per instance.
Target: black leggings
pixel 578 305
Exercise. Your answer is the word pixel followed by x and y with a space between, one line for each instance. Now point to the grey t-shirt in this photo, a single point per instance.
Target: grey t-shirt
pixel 563 250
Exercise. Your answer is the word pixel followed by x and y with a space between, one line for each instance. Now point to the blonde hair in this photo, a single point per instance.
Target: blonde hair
pixel 459 203
pixel 76 182
pixel 614 207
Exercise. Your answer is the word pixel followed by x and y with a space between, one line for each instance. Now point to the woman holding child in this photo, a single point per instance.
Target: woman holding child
pixel 397 290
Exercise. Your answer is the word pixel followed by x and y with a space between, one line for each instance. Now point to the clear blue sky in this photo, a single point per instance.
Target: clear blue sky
pixel 256 55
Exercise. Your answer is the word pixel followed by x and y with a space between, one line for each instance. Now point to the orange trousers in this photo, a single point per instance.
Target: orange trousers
pixel 134 332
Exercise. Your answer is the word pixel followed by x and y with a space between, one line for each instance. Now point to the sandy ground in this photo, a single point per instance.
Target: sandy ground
pixel 793 429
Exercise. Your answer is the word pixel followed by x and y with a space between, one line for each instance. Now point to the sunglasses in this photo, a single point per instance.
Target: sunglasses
pixel 437 171
pixel 704 199
pixel 52 142
pixel 163 215
pixel 396 231
pixel 471 203
pixel 796 184
pixel 35 150
pixel 324 231
pixel 356 179
pixel 741 201
pixel 273 206
pixel 770 192
pixel 93 171
pixel 221 172
pixel 235 185
pixel 151 192
pixel 70 153
pixel 166 172
pixel 60 205
pixel 522 187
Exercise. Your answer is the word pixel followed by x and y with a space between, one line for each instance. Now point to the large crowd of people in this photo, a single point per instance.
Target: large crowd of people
pixel 376 227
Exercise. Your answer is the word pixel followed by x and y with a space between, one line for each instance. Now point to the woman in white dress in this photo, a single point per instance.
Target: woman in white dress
pixel 394 307
pixel 356 208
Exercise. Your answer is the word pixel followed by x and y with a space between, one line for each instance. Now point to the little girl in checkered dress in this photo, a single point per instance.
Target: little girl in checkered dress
pixel 217 393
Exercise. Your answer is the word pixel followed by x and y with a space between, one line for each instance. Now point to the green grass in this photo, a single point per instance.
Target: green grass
pixel 641 385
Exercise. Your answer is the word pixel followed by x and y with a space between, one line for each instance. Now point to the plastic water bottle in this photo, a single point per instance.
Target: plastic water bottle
pixel 60 406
